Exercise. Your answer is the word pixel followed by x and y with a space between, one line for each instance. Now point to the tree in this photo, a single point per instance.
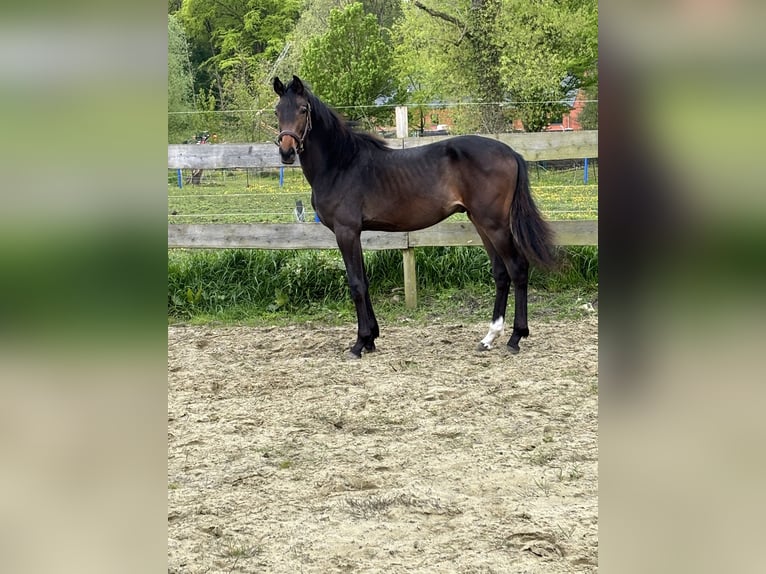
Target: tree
pixel 529 55
pixel 486 44
pixel 532 53
pixel 180 83
pixel 424 52
pixel 551 51
pixel 588 117
pixel 351 63
pixel 479 43
pixel 315 21
pixel 235 38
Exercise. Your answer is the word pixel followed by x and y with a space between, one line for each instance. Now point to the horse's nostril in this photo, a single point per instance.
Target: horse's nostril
pixel 287 156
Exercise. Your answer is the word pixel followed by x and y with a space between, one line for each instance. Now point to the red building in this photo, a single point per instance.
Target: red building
pixel 569 119
pixel 440 121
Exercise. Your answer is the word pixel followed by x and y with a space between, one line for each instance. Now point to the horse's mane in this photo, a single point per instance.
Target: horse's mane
pixel 343 140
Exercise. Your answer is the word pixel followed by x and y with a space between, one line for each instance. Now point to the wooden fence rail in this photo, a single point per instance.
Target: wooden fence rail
pixel 317 236
pixel 538 146
pixel 533 147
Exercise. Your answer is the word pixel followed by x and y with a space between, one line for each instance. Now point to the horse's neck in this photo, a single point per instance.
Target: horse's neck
pixel 312 164
pixel 318 157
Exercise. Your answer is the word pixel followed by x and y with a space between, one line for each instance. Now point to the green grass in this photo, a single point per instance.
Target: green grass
pixel 257 286
pixel 255 196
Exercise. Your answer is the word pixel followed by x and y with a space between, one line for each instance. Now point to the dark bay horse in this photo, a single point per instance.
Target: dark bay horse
pixel 359 183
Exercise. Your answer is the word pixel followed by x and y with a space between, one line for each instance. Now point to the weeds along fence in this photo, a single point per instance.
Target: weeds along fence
pixel 223 196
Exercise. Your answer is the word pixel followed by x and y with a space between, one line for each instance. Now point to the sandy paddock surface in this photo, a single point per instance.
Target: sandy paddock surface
pixel 426 456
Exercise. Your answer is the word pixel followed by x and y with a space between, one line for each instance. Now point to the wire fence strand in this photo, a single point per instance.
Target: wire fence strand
pixel 271 195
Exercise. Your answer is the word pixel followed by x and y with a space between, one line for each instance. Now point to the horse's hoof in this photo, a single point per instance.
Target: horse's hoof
pixel 351 355
pixel 370 348
pixel 482 347
pixel 513 350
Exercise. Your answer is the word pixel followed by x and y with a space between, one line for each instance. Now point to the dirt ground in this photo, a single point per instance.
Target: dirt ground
pixel 426 456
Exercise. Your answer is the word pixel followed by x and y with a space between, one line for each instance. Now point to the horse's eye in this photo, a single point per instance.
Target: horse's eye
pixel 304 109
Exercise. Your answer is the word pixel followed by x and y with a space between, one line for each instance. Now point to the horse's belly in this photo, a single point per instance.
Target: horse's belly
pixel 410 217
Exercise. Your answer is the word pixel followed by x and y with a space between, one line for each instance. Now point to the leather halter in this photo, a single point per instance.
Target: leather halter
pixel 298 138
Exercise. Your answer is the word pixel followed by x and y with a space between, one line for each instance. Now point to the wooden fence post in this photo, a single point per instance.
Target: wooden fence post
pixel 401 122
pixel 410 278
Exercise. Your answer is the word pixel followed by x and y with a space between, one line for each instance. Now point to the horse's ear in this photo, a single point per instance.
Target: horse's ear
pixel 279 87
pixel 297 85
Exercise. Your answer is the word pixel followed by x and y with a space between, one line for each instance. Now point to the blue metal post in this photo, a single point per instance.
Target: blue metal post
pixel 180 179
pixel 281 176
pixel 585 174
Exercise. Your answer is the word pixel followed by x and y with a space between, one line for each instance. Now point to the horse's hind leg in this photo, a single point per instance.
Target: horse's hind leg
pixel 502 287
pixel 519 267
pixel 508 265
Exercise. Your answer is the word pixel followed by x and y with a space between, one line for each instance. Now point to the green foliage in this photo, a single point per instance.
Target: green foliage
pixel 588 117
pixel 578 270
pixel 385 11
pixel 425 49
pixel 258 281
pixel 482 59
pixel 236 29
pixel 180 82
pixel 248 284
pixel 234 42
pixel 350 64
pixel 314 22
pixel 448 50
pixel 551 49
pixel 529 53
pixel 442 268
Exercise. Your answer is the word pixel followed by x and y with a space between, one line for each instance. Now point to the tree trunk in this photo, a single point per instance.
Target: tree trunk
pixel 483 57
pixel 486 62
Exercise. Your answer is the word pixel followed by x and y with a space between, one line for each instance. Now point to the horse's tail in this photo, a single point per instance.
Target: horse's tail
pixel 532 234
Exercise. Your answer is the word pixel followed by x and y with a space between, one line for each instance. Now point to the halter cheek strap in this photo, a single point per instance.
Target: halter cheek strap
pixel 298 138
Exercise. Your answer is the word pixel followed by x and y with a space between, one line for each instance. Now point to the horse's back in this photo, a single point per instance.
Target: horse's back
pixel 481 147
pixel 418 187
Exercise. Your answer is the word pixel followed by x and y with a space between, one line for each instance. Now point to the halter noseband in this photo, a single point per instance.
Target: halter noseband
pixel 294 135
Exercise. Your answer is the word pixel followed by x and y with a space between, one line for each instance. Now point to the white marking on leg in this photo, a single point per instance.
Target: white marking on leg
pixel 495 329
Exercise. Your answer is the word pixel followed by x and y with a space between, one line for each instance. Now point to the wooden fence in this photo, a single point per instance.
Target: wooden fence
pixel 533 147
pixel 536 146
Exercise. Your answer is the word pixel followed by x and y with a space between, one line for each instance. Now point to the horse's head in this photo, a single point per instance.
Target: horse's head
pixel 294 117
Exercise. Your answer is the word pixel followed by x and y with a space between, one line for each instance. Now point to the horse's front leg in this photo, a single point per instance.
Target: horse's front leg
pixel 350 245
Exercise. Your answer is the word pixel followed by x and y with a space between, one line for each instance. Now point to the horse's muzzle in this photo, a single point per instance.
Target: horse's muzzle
pixel 287 156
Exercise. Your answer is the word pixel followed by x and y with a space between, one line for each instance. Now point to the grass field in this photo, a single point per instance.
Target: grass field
pixel 255 196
